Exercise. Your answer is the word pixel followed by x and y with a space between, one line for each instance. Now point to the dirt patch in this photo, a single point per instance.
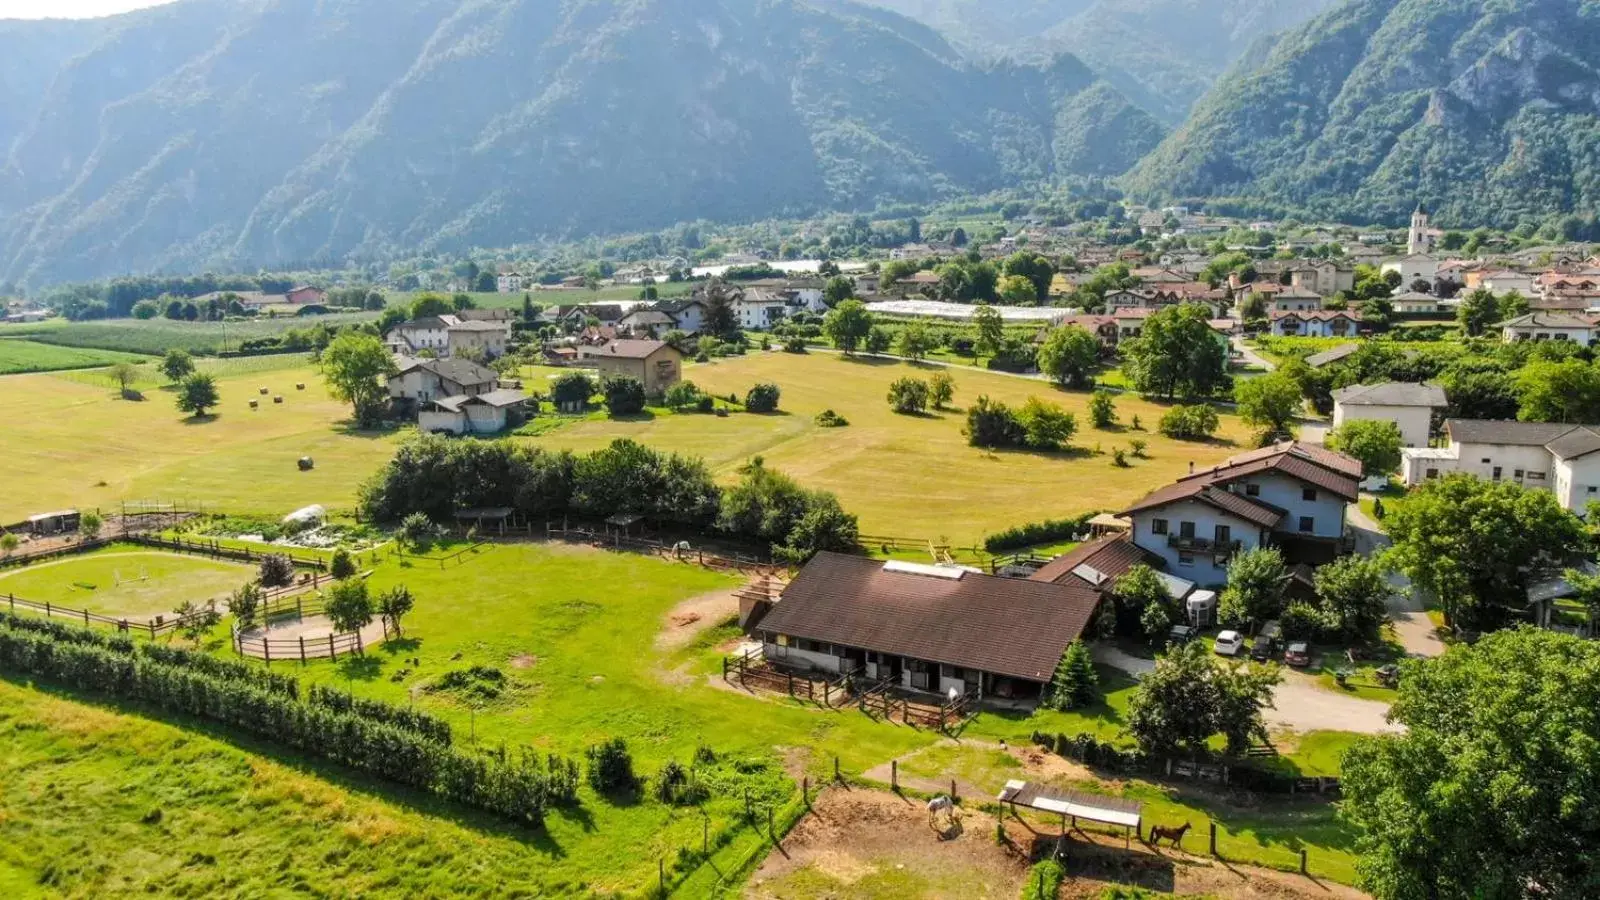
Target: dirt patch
pixel 523 661
pixel 862 844
pixel 691 617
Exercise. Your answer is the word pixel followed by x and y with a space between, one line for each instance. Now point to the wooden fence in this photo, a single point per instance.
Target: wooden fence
pixel 301 648
pixel 217 550
pixel 667 549
pixel 152 628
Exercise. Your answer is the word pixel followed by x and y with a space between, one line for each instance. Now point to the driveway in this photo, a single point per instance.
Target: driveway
pixel 1250 356
pixel 1298 704
pixel 1411 623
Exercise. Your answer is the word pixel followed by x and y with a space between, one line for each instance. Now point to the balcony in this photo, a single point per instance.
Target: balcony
pixel 1219 549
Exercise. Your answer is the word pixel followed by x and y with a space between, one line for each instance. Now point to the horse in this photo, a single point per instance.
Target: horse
pixel 1175 835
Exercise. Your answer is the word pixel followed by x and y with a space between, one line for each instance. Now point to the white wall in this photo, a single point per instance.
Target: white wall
pixel 438 420
pixel 1482 459
pixel 1577 482
pixel 1201 568
pixel 1413 421
pixel 1327 511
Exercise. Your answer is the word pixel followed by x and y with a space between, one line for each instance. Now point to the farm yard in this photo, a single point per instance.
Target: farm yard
pixel 540 645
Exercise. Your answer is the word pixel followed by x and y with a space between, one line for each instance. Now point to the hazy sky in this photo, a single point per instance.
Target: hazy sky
pixel 69 9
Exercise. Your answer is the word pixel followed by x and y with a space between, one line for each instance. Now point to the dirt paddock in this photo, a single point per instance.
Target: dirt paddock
pixel 863 843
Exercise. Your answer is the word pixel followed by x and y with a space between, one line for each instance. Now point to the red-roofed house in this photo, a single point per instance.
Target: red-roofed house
pixel 1324 323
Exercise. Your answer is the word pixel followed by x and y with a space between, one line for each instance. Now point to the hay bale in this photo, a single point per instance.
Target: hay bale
pixel 306 464
pixel 255 404
pixel 265 392
pixel 278 399
pixel 300 386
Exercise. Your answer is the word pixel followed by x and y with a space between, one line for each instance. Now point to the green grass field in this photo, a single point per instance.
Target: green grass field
pixel 18 356
pixel 555 297
pixel 577 636
pixel 157 336
pixel 124 580
pixel 94 449
pixel 911 476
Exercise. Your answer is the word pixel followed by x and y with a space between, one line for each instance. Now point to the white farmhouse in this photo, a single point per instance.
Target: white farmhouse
pixel 1548 326
pixel 1544 455
pixel 1409 406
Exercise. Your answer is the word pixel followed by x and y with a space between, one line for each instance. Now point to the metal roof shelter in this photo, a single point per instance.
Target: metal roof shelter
pixel 1071 804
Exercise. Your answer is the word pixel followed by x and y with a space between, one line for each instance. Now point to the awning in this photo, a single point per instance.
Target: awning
pixel 1095 808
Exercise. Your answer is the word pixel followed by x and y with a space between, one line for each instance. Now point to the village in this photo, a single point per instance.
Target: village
pixel 1134 540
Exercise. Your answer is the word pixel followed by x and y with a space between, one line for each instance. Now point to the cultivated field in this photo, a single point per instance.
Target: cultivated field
pixel 548 646
pixel 30 356
pixel 156 336
pixel 71 441
pixel 554 296
pixel 911 476
pixel 124 580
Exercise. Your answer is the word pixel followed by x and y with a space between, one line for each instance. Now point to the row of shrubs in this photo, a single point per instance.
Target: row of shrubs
pixel 420 723
pixel 1049 531
pixel 518 787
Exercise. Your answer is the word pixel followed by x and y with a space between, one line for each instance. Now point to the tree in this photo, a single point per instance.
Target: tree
pixel 1070 355
pixel 915 342
pixel 763 398
pixel 196 394
pixel 1269 402
pixel 9 542
pixel 393 605
pixel 89 525
pixel 878 341
pixel 1103 409
pixel 173 310
pixel 992 424
pixel 1375 442
pixel 1476 545
pixel 1075 684
pixel 1189 696
pixel 991 330
pixel 349 606
pixel 1015 290
pixel 720 321
pixel 572 389
pixel 624 396
pixel 838 289
pixel 275 570
pixel 357 368
pixel 342 566
pixel 1046 426
pixel 611 768
pixel 1512 305
pixel 1490 790
pixel 125 375
pixel 195 620
pixel 1177 354
pixel 941 389
pixel 177 365
pixel 429 305
pixel 847 325
pixel 1565 391
pixel 1036 269
pixel 1480 393
pixel 1354 592
pixel 146 309
pixel 1256 582
pixel 772 507
pixel 908 395
pixel 1139 591
pixel 417 531
pixel 245 604
pixel 1477 311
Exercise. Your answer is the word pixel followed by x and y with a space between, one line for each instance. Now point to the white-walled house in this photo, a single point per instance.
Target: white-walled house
pixel 487 413
pixel 1324 323
pixel 1417 267
pixel 759 310
pixel 418 381
pixel 1543 455
pixel 450 335
pixel 1548 326
pixel 1409 406
pixel 1290 495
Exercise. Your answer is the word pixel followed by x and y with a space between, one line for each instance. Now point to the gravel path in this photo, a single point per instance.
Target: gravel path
pixel 1299 703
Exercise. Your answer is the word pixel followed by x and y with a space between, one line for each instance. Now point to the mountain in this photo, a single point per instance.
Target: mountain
pixel 1163 54
pixel 1488 111
pixel 269 132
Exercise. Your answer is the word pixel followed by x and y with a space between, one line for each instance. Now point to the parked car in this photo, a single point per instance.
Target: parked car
pixel 1266 643
pixel 1298 654
pixel 1182 634
pixel 1229 643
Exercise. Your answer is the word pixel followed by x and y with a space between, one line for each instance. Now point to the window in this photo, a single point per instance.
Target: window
pixel 1185 559
pixel 1432 473
pixel 1309 495
pixel 1535 476
pixel 1252 490
pixel 1186 529
pixel 1307 524
pixel 1224 535
pixel 1158 526
pixel 1517 474
pixel 1591 489
pixel 1496 475
pixel 1486 460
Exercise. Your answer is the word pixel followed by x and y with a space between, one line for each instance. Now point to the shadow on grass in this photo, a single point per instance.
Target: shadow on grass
pixel 867 360
pixel 354 783
pixel 360 668
pixel 349 428
pixel 202 420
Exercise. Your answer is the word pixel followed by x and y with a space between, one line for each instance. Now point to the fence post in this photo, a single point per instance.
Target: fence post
pixel 333 652
pixel 805 791
pixel 894 774
pixel 661 874
pixel 86 617
pixel 1303 869
pixel 266 650
pixel 771 830
pixel 302 649
pixel 1214 840
pixel 47 609
pixel 359 648
pixel 836 767
pixel 954 797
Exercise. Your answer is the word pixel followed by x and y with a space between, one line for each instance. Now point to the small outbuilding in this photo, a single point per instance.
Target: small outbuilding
pixel 62 522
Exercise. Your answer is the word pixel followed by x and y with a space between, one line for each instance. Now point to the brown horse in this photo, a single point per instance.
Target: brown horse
pixel 1175 835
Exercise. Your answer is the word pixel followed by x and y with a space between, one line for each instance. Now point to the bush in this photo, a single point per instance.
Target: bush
pixel 1190 423
pixel 1048 532
pixel 992 424
pixel 611 768
pixel 573 388
pixel 796 344
pixel 908 395
pixel 1046 426
pixel 683 394
pixel 342 566
pixel 1102 409
pixel 704 403
pixel 276 570
pixel 624 396
pixel 763 398
pixel 830 419
pixel 678 786
pixel 417 531
pixel 1044 881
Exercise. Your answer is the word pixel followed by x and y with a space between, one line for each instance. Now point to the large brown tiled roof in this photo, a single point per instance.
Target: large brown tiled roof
pixel 1006 626
pixel 1248 509
pixel 1309 463
pixel 1112 557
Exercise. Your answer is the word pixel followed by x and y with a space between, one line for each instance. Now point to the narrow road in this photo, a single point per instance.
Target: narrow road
pixel 1251 356
pixel 1298 704
pixel 1411 623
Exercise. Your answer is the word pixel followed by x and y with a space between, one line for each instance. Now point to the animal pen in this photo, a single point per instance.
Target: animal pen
pixel 1072 806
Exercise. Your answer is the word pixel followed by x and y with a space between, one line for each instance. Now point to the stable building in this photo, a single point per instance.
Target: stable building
pixel 933 629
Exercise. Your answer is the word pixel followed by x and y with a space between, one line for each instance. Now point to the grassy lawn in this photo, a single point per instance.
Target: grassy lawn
pixel 909 476
pixel 574 637
pixel 125 580
pixel 31 356
pixel 95 448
